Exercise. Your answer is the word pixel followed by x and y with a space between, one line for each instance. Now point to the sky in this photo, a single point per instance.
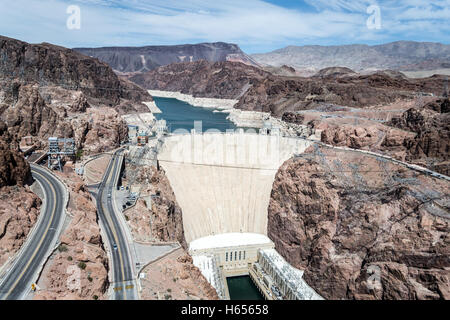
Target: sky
pixel 255 25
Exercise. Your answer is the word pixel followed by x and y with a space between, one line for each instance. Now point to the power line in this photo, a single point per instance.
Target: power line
pixel 306 156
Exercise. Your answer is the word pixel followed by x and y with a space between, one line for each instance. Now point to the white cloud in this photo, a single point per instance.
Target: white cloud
pixel 250 23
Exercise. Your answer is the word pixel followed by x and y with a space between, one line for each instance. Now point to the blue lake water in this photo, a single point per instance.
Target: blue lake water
pixel 181 115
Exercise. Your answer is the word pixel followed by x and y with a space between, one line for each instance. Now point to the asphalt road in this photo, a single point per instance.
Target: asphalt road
pixel 17 282
pixel 123 283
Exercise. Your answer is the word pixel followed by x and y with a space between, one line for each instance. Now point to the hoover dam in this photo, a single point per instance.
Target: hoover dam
pixel 223 183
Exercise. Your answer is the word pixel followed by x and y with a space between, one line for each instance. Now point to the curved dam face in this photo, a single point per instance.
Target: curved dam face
pixel 223 181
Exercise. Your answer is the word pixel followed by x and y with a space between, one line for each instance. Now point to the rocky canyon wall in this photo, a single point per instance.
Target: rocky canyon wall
pixel 19 207
pixel 362 228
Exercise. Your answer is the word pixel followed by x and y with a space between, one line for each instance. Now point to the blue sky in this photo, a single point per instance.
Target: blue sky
pixel 255 25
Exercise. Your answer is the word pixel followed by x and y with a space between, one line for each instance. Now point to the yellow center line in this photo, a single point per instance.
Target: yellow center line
pixel 42 239
pixel 113 229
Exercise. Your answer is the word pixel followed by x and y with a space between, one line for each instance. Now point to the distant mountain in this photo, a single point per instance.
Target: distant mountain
pixel 141 59
pixel 401 55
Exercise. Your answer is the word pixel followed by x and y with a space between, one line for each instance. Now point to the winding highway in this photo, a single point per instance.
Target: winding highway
pixel 16 284
pixel 123 283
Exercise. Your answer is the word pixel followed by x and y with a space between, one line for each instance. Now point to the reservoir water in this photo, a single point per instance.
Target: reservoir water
pixel 243 288
pixel 181 115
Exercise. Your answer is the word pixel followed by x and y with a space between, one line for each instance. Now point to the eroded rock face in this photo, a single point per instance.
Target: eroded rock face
pixel 347 219
pixel 46 91
pixel 14 170
pixel 63 114
pixel 48 64
pixel 30 115
pixel 104 130
pixel 431 144
pixel 19 210
pixel 419 135
pixel 222 80
pixel 175 277
pixel 368 136
pixel 163 220
pixel 19 207
pixel 258 90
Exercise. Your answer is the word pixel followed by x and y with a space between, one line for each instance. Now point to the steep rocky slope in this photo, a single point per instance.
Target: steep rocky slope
pixel 19 207
pixel 14 170
pixel 257 90
pixel 431 144
pixel 141 59
pixel 47 90
pixel 162 220
pixel 362 228
pixel 94 129
pixel 50 65
pixel 19 210
pixel 223 80
pixel 420 134
pixel 401 55
pixel 175 277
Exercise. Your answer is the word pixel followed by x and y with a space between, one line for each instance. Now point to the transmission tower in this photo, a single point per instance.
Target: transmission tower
pixel 446 88
pixel 59 148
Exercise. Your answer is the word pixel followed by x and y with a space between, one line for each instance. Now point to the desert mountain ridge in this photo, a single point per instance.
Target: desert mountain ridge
pixel 142 59
pixel 399 56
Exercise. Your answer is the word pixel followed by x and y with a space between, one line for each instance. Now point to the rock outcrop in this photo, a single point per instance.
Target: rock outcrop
pixel 14 170
pixel 19 207
pixel 430 146
pixel 160 220
pixel 362 228
pixel 19 211
pixel 419 134
pixel 261 91
pixel 46 90
pixel 174 277
pixel 93 129
pixel 47 64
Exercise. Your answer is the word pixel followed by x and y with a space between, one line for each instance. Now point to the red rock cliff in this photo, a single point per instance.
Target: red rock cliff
pixel 362 228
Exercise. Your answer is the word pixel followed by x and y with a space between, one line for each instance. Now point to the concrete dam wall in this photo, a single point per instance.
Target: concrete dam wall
pixel 223 181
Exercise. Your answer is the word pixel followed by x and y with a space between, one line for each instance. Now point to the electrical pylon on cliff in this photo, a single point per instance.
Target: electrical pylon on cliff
pixel 59 148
